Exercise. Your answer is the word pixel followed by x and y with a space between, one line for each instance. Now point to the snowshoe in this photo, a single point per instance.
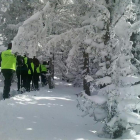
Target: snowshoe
pixel 32 89
pixel 42 84
pixel 22 90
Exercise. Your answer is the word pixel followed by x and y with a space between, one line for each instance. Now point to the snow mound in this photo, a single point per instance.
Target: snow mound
pixel 98 99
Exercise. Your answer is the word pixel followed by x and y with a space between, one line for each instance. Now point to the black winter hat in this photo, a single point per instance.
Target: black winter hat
pixel 10 46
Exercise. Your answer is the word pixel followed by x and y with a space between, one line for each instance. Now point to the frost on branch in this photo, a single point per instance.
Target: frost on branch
pixel 117 77
pixel 93 107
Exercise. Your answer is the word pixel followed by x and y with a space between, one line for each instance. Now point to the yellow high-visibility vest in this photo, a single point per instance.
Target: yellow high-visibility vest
pixel 43 68
pixel 38 69
pixel 8 60
pixel 25 60
pixel 32 66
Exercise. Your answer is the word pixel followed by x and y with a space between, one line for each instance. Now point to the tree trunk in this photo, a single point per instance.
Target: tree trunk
pixel 51 76
pixel 86 85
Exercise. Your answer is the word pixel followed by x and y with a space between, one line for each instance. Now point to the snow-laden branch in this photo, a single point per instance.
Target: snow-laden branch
pixel 136 26
pixel 14 27
pixel 30 32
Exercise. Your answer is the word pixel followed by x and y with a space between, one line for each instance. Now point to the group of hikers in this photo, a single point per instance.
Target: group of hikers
pixel 27 70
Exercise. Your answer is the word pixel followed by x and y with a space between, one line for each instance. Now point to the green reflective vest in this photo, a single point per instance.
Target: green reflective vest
pixel 32 66
pixel 38 69
pixel 8 60
pixel 25 60
pixel 43 68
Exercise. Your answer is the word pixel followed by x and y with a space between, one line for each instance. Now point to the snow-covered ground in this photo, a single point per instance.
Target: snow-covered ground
pixel 46 115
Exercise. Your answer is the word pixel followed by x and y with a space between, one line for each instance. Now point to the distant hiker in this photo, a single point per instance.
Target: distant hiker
pixel 8 67
pixel 30 66
pixel 43 73
pixel 37 72
pixel 34 59
pixel 20 62
pixel 25 71
pixel 22 73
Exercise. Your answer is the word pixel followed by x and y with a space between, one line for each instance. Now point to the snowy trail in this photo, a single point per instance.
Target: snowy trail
pixel 44 115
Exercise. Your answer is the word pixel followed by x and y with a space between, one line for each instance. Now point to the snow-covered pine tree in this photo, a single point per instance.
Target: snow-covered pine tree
pixel 136 39
pixel 16 11
pixel 46 32
pixel 116 101
pixel 97 26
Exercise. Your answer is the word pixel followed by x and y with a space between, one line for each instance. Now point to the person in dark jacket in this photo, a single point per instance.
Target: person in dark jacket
pixel 22 73
pixel 37 71
pixel 25 71
pixel 19 72
pixel 30 66
pixel 8 67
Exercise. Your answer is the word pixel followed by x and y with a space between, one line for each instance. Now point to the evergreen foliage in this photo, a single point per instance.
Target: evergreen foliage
pixel 94 43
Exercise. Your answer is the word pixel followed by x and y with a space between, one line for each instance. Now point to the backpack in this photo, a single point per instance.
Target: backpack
pixel 21 66
pixel 36 62
pixel 20 60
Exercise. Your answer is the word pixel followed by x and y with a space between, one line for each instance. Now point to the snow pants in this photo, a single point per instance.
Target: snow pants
pixel 22 81
pixel 43 78
pixel 36 80
pixel 8 76
pixel 29 79
pixel 22 77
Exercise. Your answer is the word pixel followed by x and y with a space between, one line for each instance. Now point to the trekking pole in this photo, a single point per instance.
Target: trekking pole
pixel 20 81
pixel 33 83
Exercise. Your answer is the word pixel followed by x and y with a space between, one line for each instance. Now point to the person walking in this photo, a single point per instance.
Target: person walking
pixel 30 66
pixel 8 67
pixel 37 71
pixel 20 62
pixel 22 73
